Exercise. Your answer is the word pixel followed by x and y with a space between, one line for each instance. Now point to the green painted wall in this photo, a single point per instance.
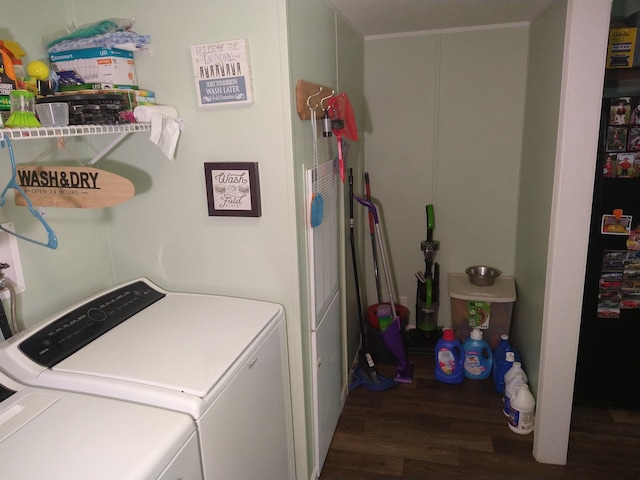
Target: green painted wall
pixel 445 119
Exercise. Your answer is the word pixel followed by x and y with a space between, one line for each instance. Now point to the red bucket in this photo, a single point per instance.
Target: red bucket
pixel 374 321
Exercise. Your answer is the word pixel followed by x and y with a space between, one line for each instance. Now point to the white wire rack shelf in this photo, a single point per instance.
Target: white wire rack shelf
pixel 71 131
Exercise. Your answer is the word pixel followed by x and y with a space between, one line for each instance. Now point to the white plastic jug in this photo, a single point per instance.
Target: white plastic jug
pixel 515 367
pixel 509 389
pixel 521 412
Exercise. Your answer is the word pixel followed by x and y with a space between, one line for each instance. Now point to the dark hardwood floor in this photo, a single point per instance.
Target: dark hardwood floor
pixel 432 430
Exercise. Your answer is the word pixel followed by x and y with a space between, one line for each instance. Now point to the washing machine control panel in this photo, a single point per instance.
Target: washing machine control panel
pixel 79 327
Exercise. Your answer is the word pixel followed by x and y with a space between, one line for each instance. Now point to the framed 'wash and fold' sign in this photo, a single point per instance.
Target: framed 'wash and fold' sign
pixel 233 189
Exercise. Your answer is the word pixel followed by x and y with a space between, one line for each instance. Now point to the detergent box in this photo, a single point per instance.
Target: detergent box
pixel 98 65
pixel 7 81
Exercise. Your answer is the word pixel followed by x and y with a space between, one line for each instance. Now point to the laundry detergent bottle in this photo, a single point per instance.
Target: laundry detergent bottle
pixel 478 359
pixel 449 358
pixel 500 363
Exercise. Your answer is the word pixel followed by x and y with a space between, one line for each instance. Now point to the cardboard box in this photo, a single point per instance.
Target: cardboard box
pixel 98 65
pixel 7 82
pixel 621 48
pixel 487 308
pixel 94 86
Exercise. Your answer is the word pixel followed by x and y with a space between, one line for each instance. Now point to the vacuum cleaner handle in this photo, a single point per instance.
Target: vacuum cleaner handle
pixel 431 222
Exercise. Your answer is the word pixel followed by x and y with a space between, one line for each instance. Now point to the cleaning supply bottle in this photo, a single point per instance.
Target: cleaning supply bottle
pixel 518 379
pixel 515 368
pixel 449 358
pixel 521 412
pixel 500 363
pixel 478 358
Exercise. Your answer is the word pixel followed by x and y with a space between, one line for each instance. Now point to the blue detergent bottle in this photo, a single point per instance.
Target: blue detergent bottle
pixel 500 363
pixel 478 359
pixel 449 358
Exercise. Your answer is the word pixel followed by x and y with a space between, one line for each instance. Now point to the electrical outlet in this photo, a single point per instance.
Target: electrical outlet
pixel 403 301
pixel 10 254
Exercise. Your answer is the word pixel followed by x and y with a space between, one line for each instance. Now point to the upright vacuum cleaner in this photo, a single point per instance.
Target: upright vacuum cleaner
pixel 425 335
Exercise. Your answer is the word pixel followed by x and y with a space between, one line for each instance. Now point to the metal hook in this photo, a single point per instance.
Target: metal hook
pixel 325 98
pixel 310 97
pixel 326 120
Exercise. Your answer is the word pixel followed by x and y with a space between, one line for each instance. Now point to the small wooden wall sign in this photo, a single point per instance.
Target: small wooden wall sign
pixel 71 187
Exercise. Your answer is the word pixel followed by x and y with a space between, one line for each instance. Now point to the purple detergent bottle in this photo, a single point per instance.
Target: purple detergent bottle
pixel 449 358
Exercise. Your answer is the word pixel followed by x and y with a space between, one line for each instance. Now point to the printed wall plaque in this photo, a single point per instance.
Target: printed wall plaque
pixel 222 73
pixel 233 189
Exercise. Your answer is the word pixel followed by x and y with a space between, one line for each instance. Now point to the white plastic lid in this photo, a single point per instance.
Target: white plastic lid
pixel 504 337
pixel 476 334
pixel 510 357
pixel 502 291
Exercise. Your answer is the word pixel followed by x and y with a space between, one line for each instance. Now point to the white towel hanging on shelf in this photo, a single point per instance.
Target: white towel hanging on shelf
pixel 165 126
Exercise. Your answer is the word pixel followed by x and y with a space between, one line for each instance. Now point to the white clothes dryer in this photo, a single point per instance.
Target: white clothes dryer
pixel 66 436
pixel 221 360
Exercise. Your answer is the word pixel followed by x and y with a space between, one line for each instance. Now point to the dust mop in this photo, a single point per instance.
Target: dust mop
pixel 392 335
pixel 364 372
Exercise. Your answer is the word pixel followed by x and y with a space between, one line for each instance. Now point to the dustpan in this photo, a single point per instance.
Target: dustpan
pixel 343 122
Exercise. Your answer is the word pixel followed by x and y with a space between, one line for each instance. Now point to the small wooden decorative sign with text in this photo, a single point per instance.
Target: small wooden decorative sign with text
pixel 222 73
pixel 233 189
pixel 71 187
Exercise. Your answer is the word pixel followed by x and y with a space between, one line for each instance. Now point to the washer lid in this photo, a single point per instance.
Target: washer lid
pixel 184 342
pixel 60 436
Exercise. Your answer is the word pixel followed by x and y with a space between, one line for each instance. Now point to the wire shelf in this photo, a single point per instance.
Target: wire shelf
pixel 70 131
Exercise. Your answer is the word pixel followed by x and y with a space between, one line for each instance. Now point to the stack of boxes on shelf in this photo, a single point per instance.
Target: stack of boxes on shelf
pixel 86 70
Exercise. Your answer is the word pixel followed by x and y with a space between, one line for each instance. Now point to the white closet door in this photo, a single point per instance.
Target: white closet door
pixel 324 283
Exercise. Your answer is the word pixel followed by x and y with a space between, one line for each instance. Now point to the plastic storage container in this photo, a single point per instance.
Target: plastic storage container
pixel 478 358
pixel 449 358
pixel 487 308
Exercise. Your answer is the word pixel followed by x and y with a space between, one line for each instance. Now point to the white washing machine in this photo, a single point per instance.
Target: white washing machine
pixel 221 360
pixel 65 436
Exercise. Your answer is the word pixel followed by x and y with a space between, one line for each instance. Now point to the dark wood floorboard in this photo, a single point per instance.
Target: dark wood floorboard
pixel 432 430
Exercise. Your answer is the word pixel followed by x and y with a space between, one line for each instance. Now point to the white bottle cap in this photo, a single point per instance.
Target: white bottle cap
pixel 510 357
pixel 476 334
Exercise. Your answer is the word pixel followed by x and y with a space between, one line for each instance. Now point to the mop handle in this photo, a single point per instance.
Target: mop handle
pixel 372 208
